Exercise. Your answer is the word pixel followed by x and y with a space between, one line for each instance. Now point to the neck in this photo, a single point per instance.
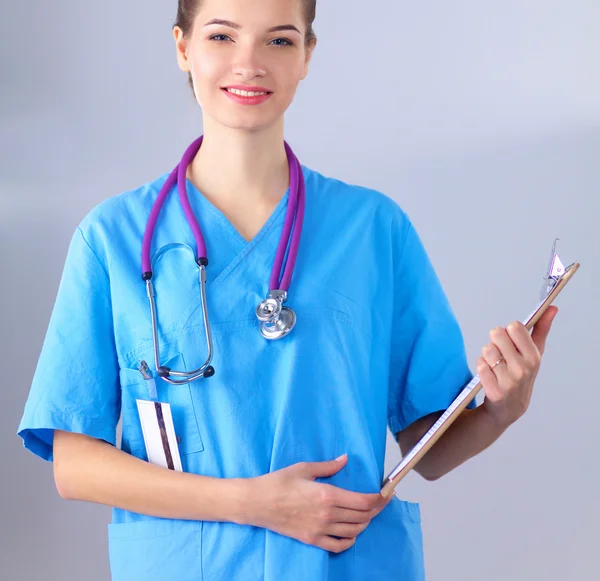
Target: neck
pixel 241 168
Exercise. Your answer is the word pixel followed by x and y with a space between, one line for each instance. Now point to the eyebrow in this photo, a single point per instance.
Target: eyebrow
pixel 279 28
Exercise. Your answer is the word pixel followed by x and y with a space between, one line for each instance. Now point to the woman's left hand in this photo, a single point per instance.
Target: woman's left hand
pixel 508 386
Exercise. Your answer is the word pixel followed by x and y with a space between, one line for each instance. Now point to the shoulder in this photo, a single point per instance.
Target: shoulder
pixel 358 201
pixel 115 220
pixel 113 211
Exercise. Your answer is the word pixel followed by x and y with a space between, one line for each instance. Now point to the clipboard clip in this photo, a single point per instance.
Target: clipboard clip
pixel 555 271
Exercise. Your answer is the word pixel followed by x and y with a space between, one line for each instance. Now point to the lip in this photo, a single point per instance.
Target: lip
pixel 248 88
pixel 256 100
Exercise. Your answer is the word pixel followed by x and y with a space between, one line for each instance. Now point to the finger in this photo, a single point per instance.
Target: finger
pixel 358 501
pixel 349 515
pixel 522 339
pixel 335 545
pixel 491 354
pixel 346 530
pixel 322 469
pixel 507 348
pixel 388 499
pixel 489 380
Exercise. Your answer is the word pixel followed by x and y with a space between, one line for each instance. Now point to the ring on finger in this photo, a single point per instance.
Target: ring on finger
pixel 501 360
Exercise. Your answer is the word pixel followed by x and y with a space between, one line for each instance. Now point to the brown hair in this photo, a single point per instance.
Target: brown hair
pixel 187 10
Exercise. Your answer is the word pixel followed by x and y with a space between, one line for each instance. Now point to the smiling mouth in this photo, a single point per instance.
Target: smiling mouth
pixel 241 93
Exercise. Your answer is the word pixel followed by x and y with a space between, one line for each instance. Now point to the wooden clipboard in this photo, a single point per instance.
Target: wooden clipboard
pixel 556 284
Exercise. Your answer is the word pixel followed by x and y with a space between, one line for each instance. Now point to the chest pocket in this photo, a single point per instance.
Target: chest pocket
pixel 185 420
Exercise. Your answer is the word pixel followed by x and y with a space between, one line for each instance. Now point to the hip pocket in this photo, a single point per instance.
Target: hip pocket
pixel 185 421
pixel 155 550
pixel 391 547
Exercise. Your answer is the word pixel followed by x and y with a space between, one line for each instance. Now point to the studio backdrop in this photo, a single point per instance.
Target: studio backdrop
pixel 481 119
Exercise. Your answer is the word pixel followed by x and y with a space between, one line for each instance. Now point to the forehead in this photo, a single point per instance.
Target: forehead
pixel 255 15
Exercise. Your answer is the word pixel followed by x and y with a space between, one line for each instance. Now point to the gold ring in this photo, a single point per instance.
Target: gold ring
pixel 501 360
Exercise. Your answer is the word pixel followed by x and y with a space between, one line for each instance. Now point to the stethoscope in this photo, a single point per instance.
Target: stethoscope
pixel 276 320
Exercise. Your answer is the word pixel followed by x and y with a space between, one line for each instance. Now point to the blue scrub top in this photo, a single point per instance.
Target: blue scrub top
pixel 376 345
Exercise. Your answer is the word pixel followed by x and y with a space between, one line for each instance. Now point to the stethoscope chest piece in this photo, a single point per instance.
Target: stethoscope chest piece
pixel 268 310
pixel 281 326
pixel 276 321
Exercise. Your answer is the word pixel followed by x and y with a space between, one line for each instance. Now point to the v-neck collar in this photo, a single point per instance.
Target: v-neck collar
pixel 204 205
pixel 207 205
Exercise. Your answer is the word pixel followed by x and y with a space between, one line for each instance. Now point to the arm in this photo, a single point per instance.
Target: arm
pixel 471 433
pixel 89 469
pixel 287 501
pixel 507 368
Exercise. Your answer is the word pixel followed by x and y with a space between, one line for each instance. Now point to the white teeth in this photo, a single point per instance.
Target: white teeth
pixel 244 93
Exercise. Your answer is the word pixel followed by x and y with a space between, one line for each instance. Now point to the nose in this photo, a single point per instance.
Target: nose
pixel 247 64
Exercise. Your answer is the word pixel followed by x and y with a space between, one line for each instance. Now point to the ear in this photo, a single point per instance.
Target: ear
pixel 181 46
pixel 309 52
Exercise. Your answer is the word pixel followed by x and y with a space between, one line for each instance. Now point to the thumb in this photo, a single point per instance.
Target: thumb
pixel 542 328
pixel 328 468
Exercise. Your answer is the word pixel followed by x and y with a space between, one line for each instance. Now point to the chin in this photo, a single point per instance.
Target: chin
pixel 246 122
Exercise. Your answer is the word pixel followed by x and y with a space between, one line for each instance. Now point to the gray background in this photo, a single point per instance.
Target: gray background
pixel 482 119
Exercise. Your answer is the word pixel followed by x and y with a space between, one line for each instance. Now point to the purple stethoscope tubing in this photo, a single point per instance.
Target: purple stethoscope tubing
pixel 277 321
pixel 296 202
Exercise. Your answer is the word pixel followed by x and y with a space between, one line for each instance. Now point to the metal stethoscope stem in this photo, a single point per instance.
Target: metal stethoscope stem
pixel 205 370
pixel 276 320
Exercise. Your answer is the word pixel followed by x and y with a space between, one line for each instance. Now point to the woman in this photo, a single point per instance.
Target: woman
pixel 261 493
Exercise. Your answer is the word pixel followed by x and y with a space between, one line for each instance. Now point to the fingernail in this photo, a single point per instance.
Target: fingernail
pixel 393 493
pixel 340 457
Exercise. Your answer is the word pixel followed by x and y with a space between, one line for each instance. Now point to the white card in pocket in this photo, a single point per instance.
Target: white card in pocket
pixel 159 434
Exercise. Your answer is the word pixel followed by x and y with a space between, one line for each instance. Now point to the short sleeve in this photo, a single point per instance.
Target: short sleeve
pixel 75 385
pixel 428 363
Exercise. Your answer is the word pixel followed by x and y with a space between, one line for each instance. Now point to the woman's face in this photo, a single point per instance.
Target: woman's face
pixel 243 52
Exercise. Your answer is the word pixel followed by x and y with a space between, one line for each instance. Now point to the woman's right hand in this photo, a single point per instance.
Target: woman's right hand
pixel 290 502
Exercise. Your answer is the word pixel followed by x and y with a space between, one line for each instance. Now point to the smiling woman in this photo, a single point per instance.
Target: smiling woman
pixel 187 11
pixel 253 436
pixel 213 49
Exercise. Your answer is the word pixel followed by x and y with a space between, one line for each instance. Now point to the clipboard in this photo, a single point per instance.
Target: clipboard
pixel 557 276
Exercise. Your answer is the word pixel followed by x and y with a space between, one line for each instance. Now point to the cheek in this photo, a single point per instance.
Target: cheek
pixel 207 71
pixel 208 66
pixel 288 76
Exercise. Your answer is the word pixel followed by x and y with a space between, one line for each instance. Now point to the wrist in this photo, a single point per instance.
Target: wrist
pixel 499 420
pixel 242 503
